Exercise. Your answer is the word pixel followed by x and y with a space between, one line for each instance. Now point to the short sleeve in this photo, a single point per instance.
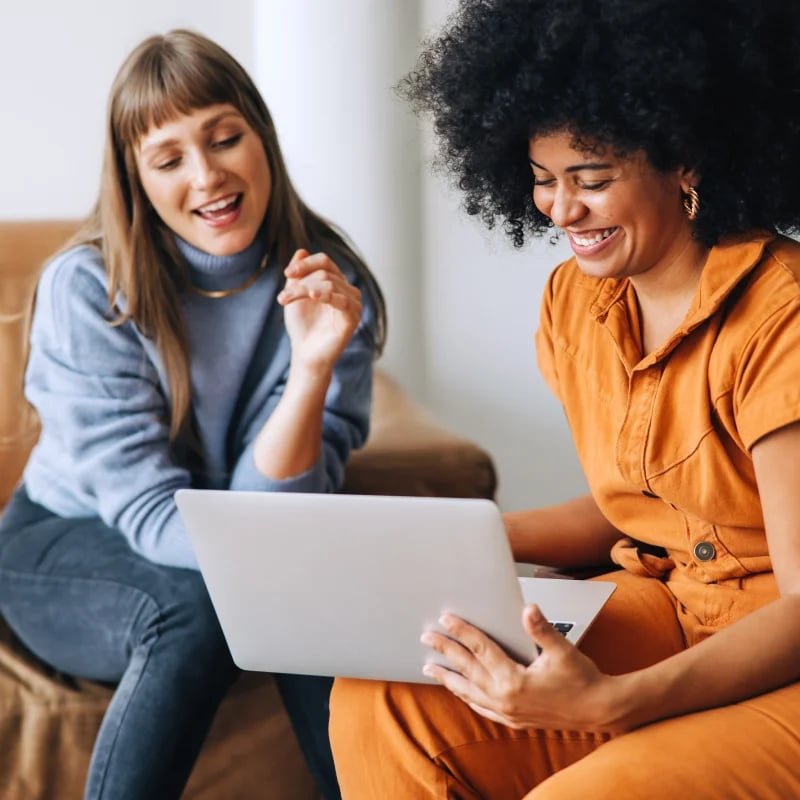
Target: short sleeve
pixel 545 351
pixel 767 386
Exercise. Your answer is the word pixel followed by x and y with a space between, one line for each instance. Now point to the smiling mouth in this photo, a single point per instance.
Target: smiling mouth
pixel 591 238
pixel 219 208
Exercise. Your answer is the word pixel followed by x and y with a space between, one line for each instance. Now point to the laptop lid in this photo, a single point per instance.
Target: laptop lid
pixel 336 584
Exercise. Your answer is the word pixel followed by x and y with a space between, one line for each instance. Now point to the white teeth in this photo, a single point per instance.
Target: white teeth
pixel 216 206
pixel 598 237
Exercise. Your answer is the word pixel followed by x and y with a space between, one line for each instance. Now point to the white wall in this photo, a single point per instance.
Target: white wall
pixel 482 300
pixel 326 70
pixel 57 61
pixel 463 305
pixel 482 307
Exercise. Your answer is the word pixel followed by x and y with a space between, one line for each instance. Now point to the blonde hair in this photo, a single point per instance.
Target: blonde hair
pixel 164 77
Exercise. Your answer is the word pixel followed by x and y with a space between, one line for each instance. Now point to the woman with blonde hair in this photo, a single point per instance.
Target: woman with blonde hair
pixel 205 328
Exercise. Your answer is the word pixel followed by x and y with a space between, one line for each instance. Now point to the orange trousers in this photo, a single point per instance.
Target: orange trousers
pixel 396 740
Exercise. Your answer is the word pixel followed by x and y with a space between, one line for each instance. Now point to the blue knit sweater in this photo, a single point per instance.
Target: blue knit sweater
pixel 103 399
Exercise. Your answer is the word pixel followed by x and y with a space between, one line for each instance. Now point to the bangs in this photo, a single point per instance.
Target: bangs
pixel 167 85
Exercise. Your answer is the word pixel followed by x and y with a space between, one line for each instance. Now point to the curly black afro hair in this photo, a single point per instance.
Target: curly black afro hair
pixel 707 84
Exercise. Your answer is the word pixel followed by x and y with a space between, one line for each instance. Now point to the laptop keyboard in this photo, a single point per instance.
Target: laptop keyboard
pixel 563 627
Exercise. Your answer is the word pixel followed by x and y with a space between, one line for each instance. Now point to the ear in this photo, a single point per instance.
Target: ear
pixel 689 178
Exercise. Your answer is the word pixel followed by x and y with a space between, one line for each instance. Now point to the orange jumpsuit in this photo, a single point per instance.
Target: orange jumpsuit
pixel 665 443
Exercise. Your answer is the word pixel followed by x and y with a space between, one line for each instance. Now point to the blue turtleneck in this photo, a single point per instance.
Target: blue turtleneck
pixel 103 399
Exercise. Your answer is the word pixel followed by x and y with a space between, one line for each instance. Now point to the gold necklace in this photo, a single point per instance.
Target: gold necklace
pixel 251 279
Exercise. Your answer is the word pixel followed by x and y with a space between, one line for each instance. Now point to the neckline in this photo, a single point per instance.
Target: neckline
pixel 215 294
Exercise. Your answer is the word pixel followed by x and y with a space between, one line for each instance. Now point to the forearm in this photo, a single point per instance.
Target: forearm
pixel 758 653
pixel 291 440
pixel 570 534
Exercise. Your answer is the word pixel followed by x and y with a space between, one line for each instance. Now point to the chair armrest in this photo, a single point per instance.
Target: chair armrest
pixel 410 453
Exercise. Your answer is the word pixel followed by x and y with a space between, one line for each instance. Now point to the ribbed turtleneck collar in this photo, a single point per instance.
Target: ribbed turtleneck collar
pixel 221 272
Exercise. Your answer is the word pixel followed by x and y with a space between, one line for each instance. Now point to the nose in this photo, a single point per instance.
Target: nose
pixel 207 173
pixel 563 206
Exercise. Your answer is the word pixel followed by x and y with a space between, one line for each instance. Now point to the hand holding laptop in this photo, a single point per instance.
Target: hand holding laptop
pixel 481 674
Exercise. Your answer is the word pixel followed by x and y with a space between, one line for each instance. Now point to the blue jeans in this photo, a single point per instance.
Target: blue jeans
pixel 80 599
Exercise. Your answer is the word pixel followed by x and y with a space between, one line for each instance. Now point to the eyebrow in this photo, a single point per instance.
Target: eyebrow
pixel 576 167
pixel 207 125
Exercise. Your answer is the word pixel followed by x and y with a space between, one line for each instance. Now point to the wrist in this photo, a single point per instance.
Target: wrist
pixel 633 700
pixel 310 375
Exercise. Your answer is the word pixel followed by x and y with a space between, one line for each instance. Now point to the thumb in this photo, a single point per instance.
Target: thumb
pixel 291 267
pixel 539 629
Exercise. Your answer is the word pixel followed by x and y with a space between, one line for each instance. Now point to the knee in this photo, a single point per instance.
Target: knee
pixel 361 711
pixel 371 710
pixel 616 770
pixel 359 731
pixel 182 599
pixel 351 705
pixel 183 616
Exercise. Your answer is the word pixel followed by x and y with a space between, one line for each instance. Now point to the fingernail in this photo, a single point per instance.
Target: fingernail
pixel 427 670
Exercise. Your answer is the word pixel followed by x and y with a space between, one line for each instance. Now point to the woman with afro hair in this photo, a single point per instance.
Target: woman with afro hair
pixel 662 139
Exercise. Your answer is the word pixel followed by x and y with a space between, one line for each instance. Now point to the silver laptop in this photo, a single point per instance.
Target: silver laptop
pixel 336 584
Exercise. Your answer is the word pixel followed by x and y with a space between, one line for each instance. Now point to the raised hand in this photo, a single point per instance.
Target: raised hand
pixel 322 309
pixel 561 689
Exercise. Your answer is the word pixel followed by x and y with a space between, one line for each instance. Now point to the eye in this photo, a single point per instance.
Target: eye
pixel 165 166
pixel 543 181
pixel 594 187
pixel 228 141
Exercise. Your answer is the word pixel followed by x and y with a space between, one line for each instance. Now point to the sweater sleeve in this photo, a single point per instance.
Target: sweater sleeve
pixel 104 448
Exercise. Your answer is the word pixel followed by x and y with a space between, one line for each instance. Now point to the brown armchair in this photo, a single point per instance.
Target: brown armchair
pixel 48 721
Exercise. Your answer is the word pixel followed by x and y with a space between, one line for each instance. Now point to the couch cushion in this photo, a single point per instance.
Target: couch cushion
pixel 24 246
pixel 410 452
pixel 48 724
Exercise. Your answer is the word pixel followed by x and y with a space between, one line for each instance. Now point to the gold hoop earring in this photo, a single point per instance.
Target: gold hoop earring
pixel 691 203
